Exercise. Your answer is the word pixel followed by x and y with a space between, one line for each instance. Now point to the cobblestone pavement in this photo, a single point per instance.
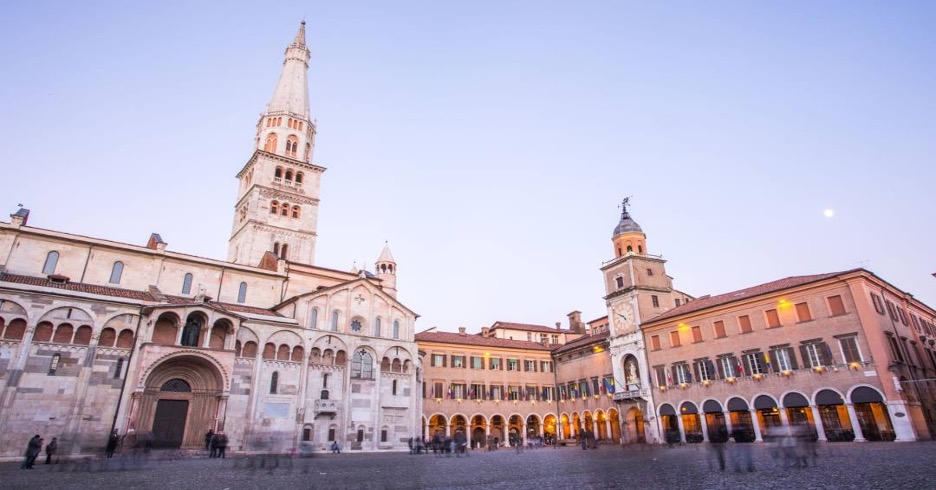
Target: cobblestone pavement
pixel 839 465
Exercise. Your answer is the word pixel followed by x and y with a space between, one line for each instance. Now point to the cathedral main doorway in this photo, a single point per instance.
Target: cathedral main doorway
pixel 180 402
pixel 169 422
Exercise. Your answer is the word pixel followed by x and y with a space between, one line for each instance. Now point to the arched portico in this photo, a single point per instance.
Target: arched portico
pixel 182 399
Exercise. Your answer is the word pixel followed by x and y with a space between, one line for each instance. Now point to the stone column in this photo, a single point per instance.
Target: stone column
pixel 755 423
pixel 820 429
pixel 221 413
pixel 853 418
pixel 728 425
pixel 682 430
pixel 704 423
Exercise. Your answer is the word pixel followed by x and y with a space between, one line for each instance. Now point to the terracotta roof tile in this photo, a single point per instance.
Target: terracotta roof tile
pixel 527 326
pixel 77 287
pixel 741 294
pixel 477 340
pixel 583 341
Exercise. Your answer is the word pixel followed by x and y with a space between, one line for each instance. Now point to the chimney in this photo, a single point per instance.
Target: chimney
pixel 558 325
pixel 461 331
pixel 20 217
pixel 156 242
pixel 485 332
pixel 575 322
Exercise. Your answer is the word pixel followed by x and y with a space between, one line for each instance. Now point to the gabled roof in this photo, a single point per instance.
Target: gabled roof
pixel 582 342
pixel 364 280
pixel 747 293
pixel 477 340
pixel 526 327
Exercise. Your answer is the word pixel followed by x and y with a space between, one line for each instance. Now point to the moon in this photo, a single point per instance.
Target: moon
pixel 828 213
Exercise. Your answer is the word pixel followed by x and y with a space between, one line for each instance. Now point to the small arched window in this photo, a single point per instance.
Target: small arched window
pixel 640 249
pixel 289 176
pixel 284 209
pixel 187 283
pixel 292 145
pixel 630 249
pixel 377 327
pixel 274 207
pixel 396 329
pixel 116 272
pixel 334 325
pixel 313 320
pixel 270 144
pixel 242 292
pixel 298 177
pixel 50 263
pixel 283 252
pixel 278 173
pixel 274 381
pixel 276 248
pixel 295 211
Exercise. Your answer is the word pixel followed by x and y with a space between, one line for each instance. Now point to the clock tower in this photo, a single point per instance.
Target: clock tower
pixel 637 288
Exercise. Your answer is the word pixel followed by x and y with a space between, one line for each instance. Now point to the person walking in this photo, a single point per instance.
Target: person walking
pixel 50 450
pixel 208 436
pixel 220 444
pixel 112 441
pixel 32 451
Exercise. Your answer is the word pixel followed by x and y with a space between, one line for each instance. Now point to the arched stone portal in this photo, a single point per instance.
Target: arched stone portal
pixel 180 402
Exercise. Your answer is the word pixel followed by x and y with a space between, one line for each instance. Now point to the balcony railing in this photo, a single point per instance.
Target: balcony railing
pixel 327 407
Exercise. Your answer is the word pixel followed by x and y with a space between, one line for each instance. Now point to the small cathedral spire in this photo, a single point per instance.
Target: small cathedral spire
pixel 300 36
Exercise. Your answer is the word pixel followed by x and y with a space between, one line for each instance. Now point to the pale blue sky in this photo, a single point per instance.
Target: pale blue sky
pixel 491 142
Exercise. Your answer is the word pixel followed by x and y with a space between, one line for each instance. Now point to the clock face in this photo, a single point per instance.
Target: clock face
pixel 356 325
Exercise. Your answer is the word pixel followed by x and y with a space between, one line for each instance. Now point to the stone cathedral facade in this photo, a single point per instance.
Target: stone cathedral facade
pixel 267 346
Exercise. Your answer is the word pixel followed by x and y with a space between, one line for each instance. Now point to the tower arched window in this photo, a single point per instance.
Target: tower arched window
pixel 396 329
pixel 187 283
pixel 284 209
pixel 292 146
pixel 242 292
pixel 274 207
pixel 276 248
pixel 116 272
pixel 313 320
pixel 295 211
pixel 278 173
pixel 289 176
pixel 50 262
pixel 270 144
pixel 284 251
pixel 298 177
pixel 334 325
pixel 640 249
pixel 274 381
pixel 630 249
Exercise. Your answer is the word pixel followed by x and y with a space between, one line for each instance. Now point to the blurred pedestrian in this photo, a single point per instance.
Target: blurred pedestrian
pixel 208 436
pixel 112 441
pixel 220 444
pixel 742 451
pixel 50 450
pixel 32 451
pixel 717 442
